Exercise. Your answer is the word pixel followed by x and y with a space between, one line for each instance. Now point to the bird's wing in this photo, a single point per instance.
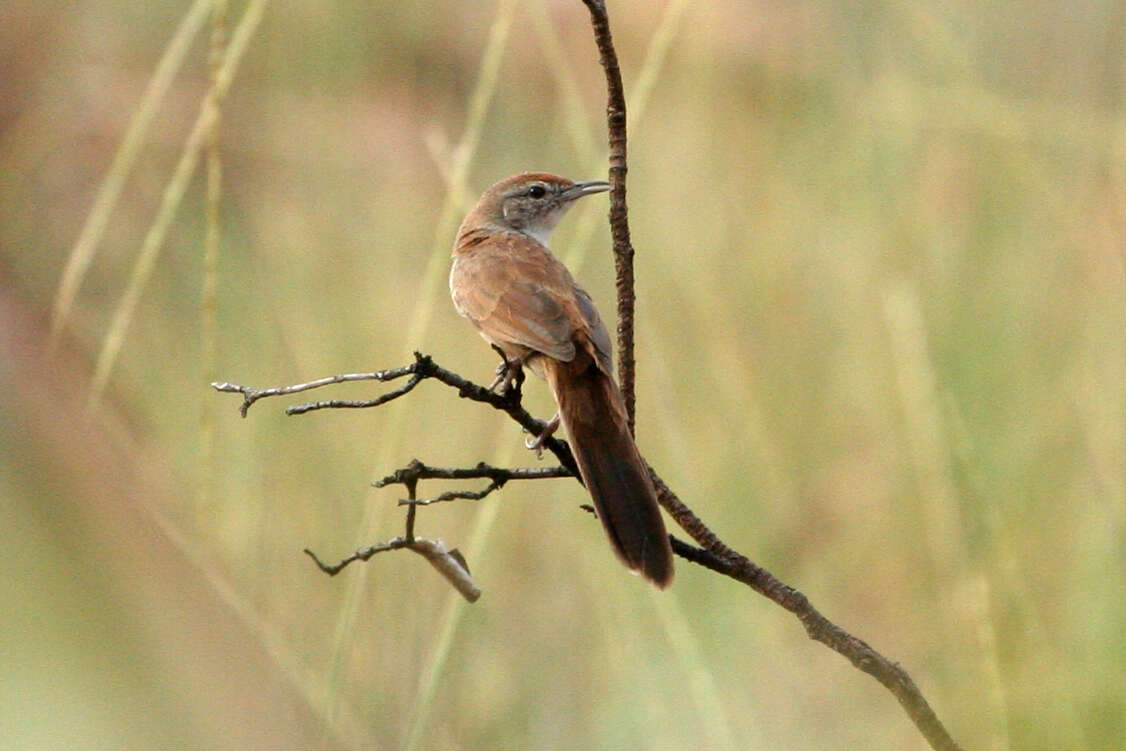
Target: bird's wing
pixel 603 352
pixel 516 292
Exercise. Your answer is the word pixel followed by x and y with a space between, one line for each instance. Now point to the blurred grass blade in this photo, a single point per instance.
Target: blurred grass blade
pixel 637 100
pixel 170 202
pixel 572 107
pixel 209 304
pixel 81 256
pixel 655 55
pixel 275 642
pixel 699 685
pixel 921 410
pixel 441 154
pixel 427 301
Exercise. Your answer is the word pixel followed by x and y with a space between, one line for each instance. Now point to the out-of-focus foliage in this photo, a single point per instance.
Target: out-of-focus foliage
pixel 882 350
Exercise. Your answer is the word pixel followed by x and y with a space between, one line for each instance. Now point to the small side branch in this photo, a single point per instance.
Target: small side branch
pixel 301 409
pixel 423 367
pixel 449 563
pixel 499 476
pixel 251 395
pixel 363 554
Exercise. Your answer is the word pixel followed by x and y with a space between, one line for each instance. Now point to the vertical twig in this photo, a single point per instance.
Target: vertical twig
pixel 619 220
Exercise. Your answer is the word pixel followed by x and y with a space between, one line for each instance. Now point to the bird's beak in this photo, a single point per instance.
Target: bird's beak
pixel 578 190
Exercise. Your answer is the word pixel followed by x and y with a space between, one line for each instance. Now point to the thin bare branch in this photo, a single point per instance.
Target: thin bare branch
pixel 619 216
pixel 422 368
pixel 301 409
pixel 251 395
pixel 499 476
pixel 363 554
pixel 449 563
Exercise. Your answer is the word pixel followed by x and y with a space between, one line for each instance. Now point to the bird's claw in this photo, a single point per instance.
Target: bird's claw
pixel 510 374
pixel 537 443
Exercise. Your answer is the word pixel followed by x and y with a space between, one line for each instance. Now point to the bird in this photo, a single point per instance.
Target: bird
pixel 525 303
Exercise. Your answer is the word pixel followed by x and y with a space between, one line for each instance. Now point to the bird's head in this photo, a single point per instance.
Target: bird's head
pixel 532 202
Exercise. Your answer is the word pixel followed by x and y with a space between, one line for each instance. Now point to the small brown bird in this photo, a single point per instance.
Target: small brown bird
pixel 522 299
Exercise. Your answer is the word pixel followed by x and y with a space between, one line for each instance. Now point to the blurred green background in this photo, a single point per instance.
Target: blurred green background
pixel 881 350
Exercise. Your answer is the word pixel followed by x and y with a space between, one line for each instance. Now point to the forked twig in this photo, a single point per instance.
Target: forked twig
pixel 450 563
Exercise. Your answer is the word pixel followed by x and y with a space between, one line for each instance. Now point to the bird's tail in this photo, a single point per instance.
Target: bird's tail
pixel 592 411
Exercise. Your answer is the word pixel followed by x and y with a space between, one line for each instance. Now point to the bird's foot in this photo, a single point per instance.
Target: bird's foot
pixel 548 429
pixel 510 375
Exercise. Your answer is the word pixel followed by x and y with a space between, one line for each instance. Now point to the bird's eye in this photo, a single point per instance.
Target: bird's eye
pixel 537 191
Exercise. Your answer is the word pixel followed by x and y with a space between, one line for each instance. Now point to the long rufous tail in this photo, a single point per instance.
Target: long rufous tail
pixel 592 411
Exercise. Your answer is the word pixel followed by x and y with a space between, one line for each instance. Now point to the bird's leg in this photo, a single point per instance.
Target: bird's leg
pixel 548 429
pixel 510 373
